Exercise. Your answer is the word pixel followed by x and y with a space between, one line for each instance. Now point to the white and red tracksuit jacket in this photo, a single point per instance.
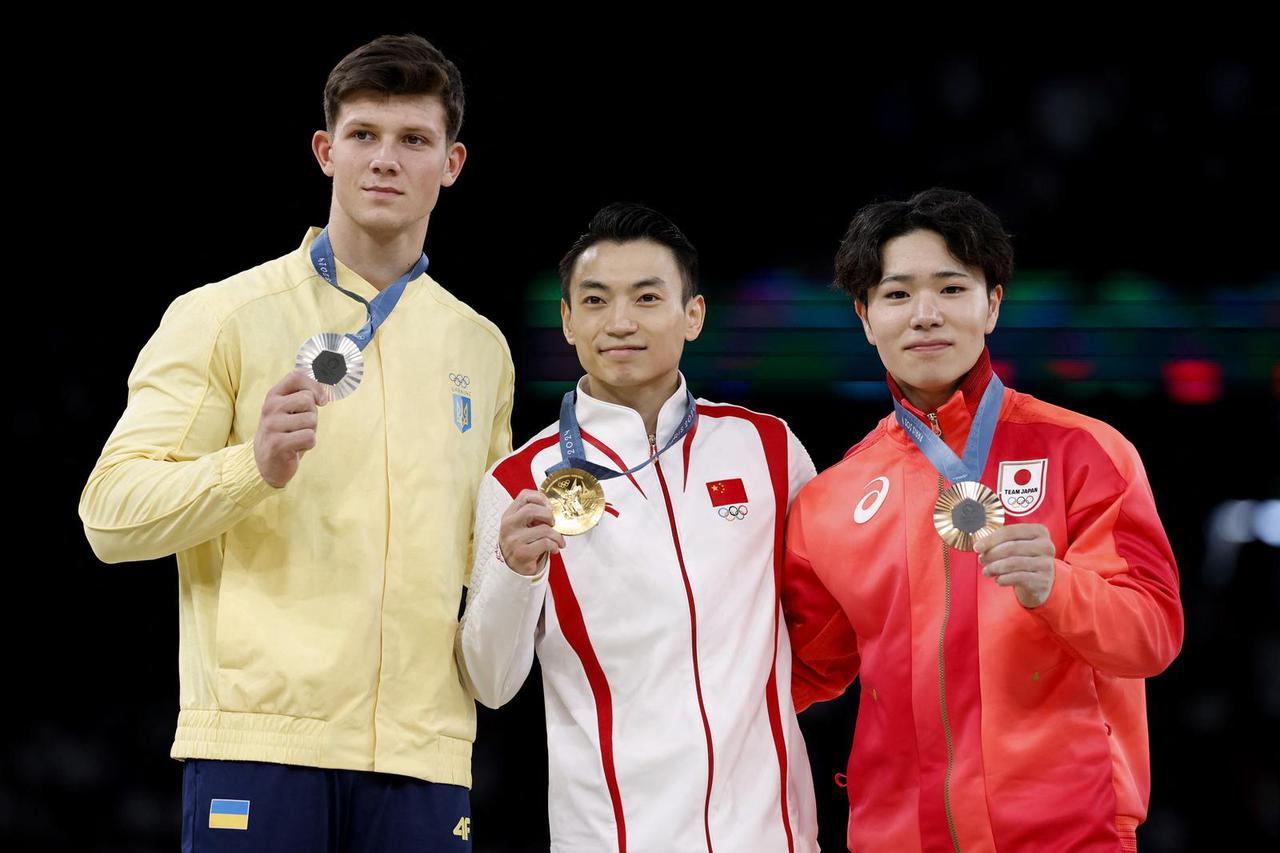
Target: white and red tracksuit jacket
pixel 666 664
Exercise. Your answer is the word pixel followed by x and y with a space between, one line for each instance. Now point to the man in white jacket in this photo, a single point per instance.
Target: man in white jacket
pixel 666 665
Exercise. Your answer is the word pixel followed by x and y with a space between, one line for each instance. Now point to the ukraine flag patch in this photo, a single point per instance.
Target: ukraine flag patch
pixel 229 814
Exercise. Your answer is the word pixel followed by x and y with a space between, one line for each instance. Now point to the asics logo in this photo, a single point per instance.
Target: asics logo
pixel 872 500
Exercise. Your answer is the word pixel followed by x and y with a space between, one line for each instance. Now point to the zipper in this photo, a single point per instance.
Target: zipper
pixel 933 420
pixel 942 678
pixel 693 624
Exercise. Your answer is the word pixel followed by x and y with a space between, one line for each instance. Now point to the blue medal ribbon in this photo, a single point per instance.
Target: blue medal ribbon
pixel 976 447
pixel 573 451
pixel 380 308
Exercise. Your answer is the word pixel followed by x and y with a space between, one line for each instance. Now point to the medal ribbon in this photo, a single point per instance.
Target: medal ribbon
pixel 572 450
pixel 380 308
pixel 976 447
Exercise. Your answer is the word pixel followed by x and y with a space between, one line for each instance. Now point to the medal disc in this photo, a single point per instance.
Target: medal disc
pixel 577 500
pixel 333 360
pixel 967 512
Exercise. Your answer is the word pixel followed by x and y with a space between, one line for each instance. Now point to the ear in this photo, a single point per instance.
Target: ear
pixel 453 164
pixel 993 306
pixel 861 307
pixel 564 322
pixel 695 314
pixel 321 146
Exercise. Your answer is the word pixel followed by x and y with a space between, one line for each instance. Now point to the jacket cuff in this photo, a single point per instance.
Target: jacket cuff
pixel 241 478
pixel 514 583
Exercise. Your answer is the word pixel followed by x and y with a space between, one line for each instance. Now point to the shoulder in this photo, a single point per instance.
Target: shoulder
pixel 221 300
pixel 729 413
pixel 858 467
pixel 1075 431
pixel 514 472
pixel 465 315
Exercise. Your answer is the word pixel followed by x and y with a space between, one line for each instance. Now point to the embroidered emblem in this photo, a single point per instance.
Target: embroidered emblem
pixel 461 401
pixel 1021 486
pixel 728 498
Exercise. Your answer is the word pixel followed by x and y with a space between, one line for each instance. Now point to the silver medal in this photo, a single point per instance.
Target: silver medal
pixel 332 360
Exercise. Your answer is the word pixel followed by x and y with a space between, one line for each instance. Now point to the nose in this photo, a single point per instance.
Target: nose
pixel 620 322
pixel 384 160
pixel 925 313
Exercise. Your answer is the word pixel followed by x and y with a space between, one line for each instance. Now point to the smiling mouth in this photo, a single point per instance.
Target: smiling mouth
pixel 929 346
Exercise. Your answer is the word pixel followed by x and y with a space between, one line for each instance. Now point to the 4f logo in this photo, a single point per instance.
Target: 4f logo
pixel 461 401
pixel 463 829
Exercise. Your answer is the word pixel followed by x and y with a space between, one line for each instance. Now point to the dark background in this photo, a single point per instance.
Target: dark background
pixel 182 157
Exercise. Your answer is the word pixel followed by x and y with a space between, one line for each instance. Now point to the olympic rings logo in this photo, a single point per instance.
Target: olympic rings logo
pixel 1020 500
pixel 459 380
pixel 733 513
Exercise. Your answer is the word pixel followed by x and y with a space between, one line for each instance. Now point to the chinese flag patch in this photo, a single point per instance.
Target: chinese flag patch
pixel 724 492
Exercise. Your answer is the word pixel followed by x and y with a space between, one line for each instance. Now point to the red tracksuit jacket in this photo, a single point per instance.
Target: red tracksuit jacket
pixel 983 725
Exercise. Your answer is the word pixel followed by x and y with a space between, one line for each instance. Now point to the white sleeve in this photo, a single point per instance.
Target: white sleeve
pixel 800 466
pixel 496 637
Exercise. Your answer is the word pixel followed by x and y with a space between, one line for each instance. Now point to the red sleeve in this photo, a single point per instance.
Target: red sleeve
pixel 824 647
pixel 1115 591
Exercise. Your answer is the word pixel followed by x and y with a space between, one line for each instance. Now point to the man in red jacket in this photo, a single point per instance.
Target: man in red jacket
pixel 991 565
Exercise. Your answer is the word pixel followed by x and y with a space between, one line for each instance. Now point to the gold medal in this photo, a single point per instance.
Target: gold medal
pixel 333 360
pixel 967 512
pixel 577 500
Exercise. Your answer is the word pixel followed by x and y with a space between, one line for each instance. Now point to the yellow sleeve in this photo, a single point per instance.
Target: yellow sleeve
pixel 166 480
pixel 500 434
pixel 499 437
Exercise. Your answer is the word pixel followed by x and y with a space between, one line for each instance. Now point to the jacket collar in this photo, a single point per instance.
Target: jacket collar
pixel 622 429
pixel 955 416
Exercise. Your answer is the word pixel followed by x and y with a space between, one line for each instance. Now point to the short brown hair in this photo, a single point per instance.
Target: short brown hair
pixel 396 65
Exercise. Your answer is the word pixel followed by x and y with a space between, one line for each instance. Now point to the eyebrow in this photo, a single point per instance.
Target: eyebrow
pixel 361 122
pixel 939 274
pixel 652 281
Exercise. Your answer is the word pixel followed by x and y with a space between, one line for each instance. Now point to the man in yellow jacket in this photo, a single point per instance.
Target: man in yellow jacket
pixel 321 513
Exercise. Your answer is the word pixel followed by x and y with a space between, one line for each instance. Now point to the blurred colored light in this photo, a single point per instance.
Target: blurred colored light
pixel 1232 522
pixel 1266 522
pixel 1006 370
pixel 1070 368
pixel 1193 381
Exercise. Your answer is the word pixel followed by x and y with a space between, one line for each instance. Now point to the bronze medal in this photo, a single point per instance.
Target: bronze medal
pixel 967 512
pixel 577 500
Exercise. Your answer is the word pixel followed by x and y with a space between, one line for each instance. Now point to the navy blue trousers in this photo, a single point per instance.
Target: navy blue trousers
pixel 254 807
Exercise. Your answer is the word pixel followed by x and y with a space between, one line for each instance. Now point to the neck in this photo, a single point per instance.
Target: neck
pixel 378 258
pixel 646 399
pixel 927 400
pixel 972 382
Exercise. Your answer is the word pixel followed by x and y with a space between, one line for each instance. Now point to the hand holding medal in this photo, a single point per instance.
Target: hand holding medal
pixel 525 534
pixel 1020 556
pixel 287 427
